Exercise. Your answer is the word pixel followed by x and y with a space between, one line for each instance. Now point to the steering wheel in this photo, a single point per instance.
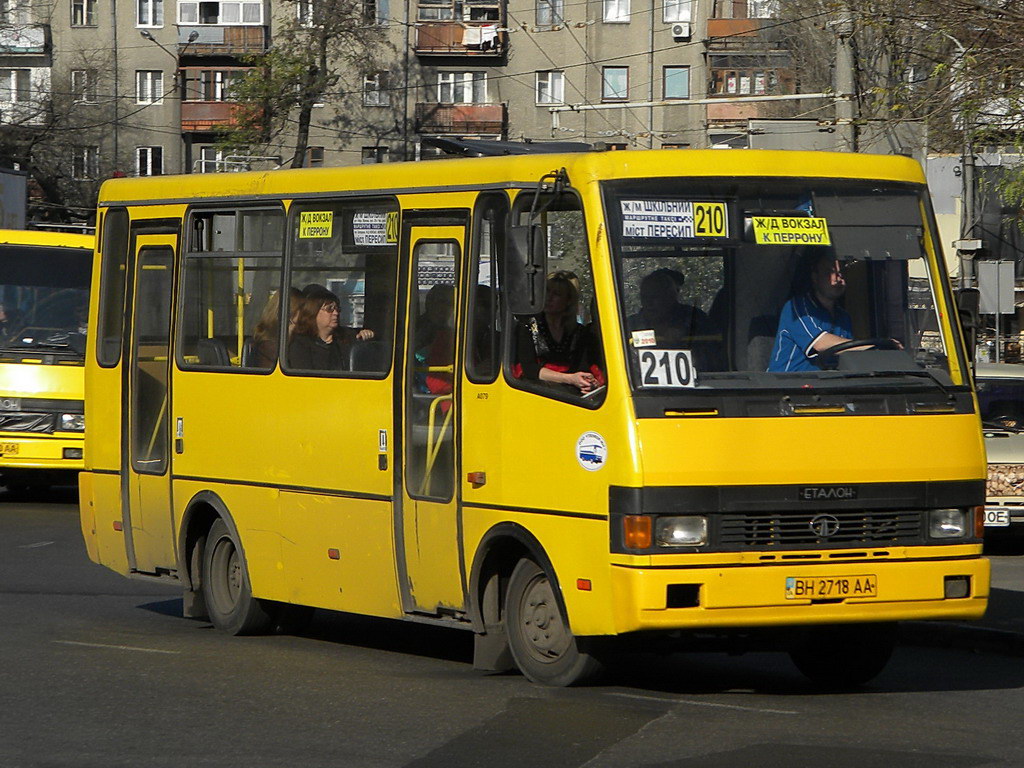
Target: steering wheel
pixel 853 343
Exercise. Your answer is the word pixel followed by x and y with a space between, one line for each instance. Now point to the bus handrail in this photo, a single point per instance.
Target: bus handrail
pixel 434 447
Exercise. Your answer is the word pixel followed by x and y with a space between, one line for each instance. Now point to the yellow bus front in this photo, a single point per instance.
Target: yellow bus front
pixel 782 480
pixel 44 294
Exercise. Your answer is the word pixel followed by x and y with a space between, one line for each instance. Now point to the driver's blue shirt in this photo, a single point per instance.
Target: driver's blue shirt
pixel 802 321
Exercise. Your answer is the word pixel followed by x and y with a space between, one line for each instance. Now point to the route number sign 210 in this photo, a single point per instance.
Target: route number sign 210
pixel 667 368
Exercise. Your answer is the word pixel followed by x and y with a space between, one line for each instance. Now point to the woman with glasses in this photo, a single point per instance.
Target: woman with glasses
pixel 553 346
pixel 318 343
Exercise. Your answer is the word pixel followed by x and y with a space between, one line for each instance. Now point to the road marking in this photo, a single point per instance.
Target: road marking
pixel 115 647
pixel 36 545
pixel 714 704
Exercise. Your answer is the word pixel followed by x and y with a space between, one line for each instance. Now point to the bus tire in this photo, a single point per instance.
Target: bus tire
pixel 843 657
pixel 539 637
pixel 229 601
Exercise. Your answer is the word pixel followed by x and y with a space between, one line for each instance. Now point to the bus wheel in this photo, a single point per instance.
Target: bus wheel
pixel 539 638
pixel 229 601
pixel 843 657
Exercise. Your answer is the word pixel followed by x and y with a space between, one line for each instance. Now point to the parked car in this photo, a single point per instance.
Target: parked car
pixel 1001 398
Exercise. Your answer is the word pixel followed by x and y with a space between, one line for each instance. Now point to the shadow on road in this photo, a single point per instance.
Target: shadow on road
pixel 54 494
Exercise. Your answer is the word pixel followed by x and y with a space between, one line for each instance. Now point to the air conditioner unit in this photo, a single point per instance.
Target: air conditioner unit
pixel 681 31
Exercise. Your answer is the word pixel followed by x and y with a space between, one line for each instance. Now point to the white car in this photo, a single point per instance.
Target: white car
pixel 1001 398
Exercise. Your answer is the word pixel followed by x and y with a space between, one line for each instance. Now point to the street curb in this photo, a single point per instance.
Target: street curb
pixel 933 634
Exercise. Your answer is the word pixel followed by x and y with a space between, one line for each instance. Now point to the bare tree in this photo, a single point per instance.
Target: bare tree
pixel 320 52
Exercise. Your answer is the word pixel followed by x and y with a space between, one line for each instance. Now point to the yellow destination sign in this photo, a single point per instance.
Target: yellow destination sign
pixel 790 230
pixel 315 224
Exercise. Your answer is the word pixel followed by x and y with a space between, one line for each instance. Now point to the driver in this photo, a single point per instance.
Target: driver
pixel 812 322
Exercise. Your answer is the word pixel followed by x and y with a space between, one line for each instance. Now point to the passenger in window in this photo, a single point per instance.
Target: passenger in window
pixel 553 346
pixel 675 325
pixel 434 342
pixel 813 320
pixel 265 335
pixel 318 343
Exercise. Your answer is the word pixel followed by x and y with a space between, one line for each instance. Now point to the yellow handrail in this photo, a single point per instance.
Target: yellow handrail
pixel 434 448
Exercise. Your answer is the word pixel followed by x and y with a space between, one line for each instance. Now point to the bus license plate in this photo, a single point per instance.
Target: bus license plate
pixel 8 449
pixel 996 518
pixel 831 587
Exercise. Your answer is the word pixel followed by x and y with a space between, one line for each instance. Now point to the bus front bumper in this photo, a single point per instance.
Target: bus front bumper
pixel 777 595
pixel 22 452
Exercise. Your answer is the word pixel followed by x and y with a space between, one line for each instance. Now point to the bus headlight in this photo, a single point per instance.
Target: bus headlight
pixel 689 531
pixel 72 422
pixel 948 524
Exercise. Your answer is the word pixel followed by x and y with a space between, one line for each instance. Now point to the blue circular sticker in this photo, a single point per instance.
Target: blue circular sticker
pixel 591 451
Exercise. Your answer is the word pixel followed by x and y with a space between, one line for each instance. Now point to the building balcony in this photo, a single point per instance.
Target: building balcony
pixel 213 40
pixel 24 40
pixel 461 119
pixel 460 38
pixel 744 34
pixel 205 116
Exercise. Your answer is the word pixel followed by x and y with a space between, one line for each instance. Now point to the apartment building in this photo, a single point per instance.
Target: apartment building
pixel 143 87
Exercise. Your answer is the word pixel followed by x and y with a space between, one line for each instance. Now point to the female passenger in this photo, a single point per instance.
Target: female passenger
pixel 265 335
pixel 318 343
pixel 553 346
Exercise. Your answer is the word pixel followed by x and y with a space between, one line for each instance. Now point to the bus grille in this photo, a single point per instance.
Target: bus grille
pixel 842 528
pixel 27 422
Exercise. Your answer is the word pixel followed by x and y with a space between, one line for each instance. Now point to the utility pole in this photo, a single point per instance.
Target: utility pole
pixel 845 83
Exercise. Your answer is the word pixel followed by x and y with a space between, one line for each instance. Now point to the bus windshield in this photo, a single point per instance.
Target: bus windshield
pixel 774 283
pixel 44 298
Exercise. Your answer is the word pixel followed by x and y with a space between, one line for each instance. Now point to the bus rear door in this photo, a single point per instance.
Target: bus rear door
pixel 429 535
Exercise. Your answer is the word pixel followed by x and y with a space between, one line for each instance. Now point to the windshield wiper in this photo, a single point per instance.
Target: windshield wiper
pixel 923 373
pixel 995 425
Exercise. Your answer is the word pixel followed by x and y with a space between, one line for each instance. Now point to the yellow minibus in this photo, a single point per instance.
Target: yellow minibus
pixel 44 296
pixel 563 401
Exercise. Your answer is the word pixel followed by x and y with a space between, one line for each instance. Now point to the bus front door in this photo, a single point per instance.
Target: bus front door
pixel 146 486
pixel 428 529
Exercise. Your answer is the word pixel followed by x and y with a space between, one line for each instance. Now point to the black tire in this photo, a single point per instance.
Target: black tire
pixel 229 601
pixel 844 657
pixel 539 637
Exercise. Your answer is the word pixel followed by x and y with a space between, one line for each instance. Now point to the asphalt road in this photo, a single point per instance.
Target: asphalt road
pixel 96 670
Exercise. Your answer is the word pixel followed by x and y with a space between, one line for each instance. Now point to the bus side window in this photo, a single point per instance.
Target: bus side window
pixel 484 332
pixel 231 285
pixel 345 253
pixel 566 363
pixel 112 287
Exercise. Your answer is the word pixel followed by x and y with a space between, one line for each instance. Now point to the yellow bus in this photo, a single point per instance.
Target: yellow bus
pixel 536 398
pixel 44 295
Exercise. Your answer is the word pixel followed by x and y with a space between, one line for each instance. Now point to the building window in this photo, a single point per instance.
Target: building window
pixel 15 85
pixel 149 161
pixel 224 12
pixel 304 11
pixel 462 87
pixel 743 82
pixel 83 13
pixel 676 10
pixel 150 13
pixel 15 12
pixel 85 162
pixel 314 157
pixel 550 88
pixel 209 84
pixel 550 12
pixel 213 160
pixel 435 10
pixel 676 82
pixel 616 11
pixel 376 12
pixel 375 90
pixel 762 9
pixel 83 86
pixel 615 83
pixel 149 86
pixel 374 155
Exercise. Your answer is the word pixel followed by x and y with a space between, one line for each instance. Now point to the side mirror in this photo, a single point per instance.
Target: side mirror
pixel 968 300
pixel 526 269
